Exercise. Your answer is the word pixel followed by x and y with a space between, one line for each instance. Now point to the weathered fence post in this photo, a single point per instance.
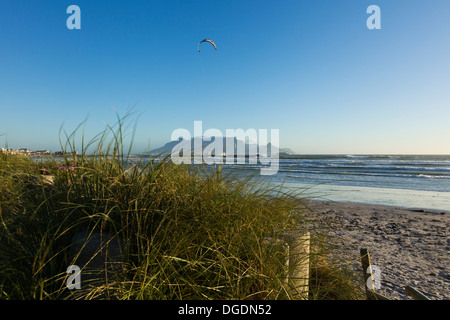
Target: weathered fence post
pixel 299 253
pixel 368 273
pixel 416 294
pixel 295 250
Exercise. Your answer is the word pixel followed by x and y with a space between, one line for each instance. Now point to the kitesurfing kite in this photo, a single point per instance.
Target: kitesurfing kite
pixel 207 40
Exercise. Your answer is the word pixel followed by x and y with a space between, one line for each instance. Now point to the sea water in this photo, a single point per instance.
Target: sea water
pixel 414 181
pixel 410 181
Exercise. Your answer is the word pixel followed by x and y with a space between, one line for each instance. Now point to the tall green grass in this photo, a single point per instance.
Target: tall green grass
pixel 187 233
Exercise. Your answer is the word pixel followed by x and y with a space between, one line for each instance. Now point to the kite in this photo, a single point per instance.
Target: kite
pixel 207 40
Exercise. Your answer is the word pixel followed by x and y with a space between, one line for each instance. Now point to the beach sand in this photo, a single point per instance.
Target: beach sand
pixel 410 246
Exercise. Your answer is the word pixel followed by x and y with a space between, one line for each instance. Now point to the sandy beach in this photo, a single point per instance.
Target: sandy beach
pixel 410 246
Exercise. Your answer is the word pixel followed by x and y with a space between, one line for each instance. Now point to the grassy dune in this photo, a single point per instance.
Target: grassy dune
pixel 185 233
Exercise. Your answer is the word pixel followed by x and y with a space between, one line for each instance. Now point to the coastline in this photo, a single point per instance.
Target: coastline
pixel 394 197
pixel 410 246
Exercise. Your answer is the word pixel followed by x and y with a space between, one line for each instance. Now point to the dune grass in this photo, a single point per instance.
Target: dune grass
pixel 187 233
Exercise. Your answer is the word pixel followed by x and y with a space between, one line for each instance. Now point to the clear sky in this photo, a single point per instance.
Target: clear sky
pixel 311 69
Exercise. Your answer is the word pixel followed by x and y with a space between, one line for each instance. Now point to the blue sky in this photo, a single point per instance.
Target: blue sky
pixel 311 69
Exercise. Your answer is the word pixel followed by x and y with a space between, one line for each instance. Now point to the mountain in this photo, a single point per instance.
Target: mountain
pixel 286 151
pixel 168 147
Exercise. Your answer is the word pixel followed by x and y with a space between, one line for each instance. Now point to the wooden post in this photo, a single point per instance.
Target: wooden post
pixel 416 294
pixel 295 260
pixel 299 252
pixel 367 272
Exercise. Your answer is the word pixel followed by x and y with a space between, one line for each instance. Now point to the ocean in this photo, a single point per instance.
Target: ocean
pixel 415 181
pixel 409 181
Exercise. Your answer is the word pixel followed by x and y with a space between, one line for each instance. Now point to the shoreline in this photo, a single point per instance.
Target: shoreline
pixel 392 197
pixel 410 246
pixel 430 210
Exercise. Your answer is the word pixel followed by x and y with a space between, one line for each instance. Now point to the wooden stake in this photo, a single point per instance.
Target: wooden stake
pixel 416 294
pixel 367 272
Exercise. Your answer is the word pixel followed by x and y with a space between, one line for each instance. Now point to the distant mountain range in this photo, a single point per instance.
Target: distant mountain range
pixel 168 147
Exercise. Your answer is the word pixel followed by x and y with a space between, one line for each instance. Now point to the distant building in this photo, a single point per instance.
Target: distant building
pixel 24 150
pixel 10 151
pixel 42 152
